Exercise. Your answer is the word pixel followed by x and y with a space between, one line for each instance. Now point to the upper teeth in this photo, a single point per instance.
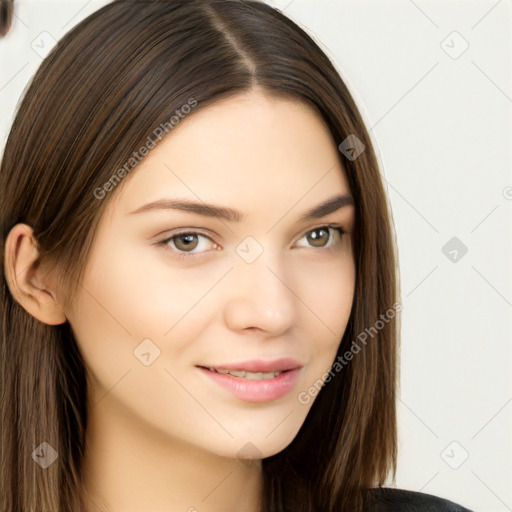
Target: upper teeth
pixel 247 375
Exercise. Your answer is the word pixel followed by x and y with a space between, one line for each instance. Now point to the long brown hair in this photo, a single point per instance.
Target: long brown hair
pixel 98 97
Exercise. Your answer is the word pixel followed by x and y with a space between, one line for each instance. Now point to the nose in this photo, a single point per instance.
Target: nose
pixel 260 298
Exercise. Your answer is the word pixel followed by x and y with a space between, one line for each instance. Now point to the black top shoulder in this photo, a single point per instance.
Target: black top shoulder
pixel 387 499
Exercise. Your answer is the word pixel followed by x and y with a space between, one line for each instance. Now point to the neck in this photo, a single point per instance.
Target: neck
pixel 130 468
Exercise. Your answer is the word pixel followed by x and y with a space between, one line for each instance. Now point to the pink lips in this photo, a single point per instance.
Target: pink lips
pixel 264 390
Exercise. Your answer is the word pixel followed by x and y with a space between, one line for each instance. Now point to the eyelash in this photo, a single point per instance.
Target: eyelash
pixel 180 255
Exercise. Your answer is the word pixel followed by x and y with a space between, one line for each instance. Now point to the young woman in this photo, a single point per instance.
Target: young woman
pixel 196 243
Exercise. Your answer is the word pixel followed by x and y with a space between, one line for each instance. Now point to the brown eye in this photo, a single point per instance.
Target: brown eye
pixel 188 244
pixel 185 242
pixel 323 237
pixel 319 237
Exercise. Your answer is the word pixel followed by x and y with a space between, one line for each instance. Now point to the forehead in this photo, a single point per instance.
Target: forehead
pixel 248 150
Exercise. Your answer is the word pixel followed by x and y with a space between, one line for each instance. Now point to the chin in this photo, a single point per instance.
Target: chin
pixel 258 444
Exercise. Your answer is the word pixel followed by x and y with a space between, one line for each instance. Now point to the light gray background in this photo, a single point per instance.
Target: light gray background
pixel 441 123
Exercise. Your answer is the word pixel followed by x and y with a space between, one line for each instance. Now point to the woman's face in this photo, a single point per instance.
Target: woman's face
pixel 170 292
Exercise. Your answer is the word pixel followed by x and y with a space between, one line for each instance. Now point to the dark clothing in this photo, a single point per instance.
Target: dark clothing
pixel 387 499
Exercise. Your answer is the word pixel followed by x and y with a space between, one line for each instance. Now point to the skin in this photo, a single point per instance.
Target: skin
pixel 164 437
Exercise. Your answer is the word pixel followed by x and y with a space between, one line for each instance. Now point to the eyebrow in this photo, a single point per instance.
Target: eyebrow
pixel 221 212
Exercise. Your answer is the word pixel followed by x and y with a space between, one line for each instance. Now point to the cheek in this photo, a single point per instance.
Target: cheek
pixel 328 294
pixel 327 291
pixel 131 296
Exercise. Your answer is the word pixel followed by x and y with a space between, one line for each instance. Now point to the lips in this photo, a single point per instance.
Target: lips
pixel 257 380
pixel 256 366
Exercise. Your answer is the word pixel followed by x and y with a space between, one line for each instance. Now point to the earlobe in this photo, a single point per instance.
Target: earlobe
pixel 25 279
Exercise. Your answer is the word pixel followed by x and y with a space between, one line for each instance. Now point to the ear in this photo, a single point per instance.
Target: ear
pixel 27 283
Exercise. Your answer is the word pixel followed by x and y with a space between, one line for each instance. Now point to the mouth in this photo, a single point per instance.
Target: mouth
pixel 257 380
pixel 256 369
pixel 243 374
